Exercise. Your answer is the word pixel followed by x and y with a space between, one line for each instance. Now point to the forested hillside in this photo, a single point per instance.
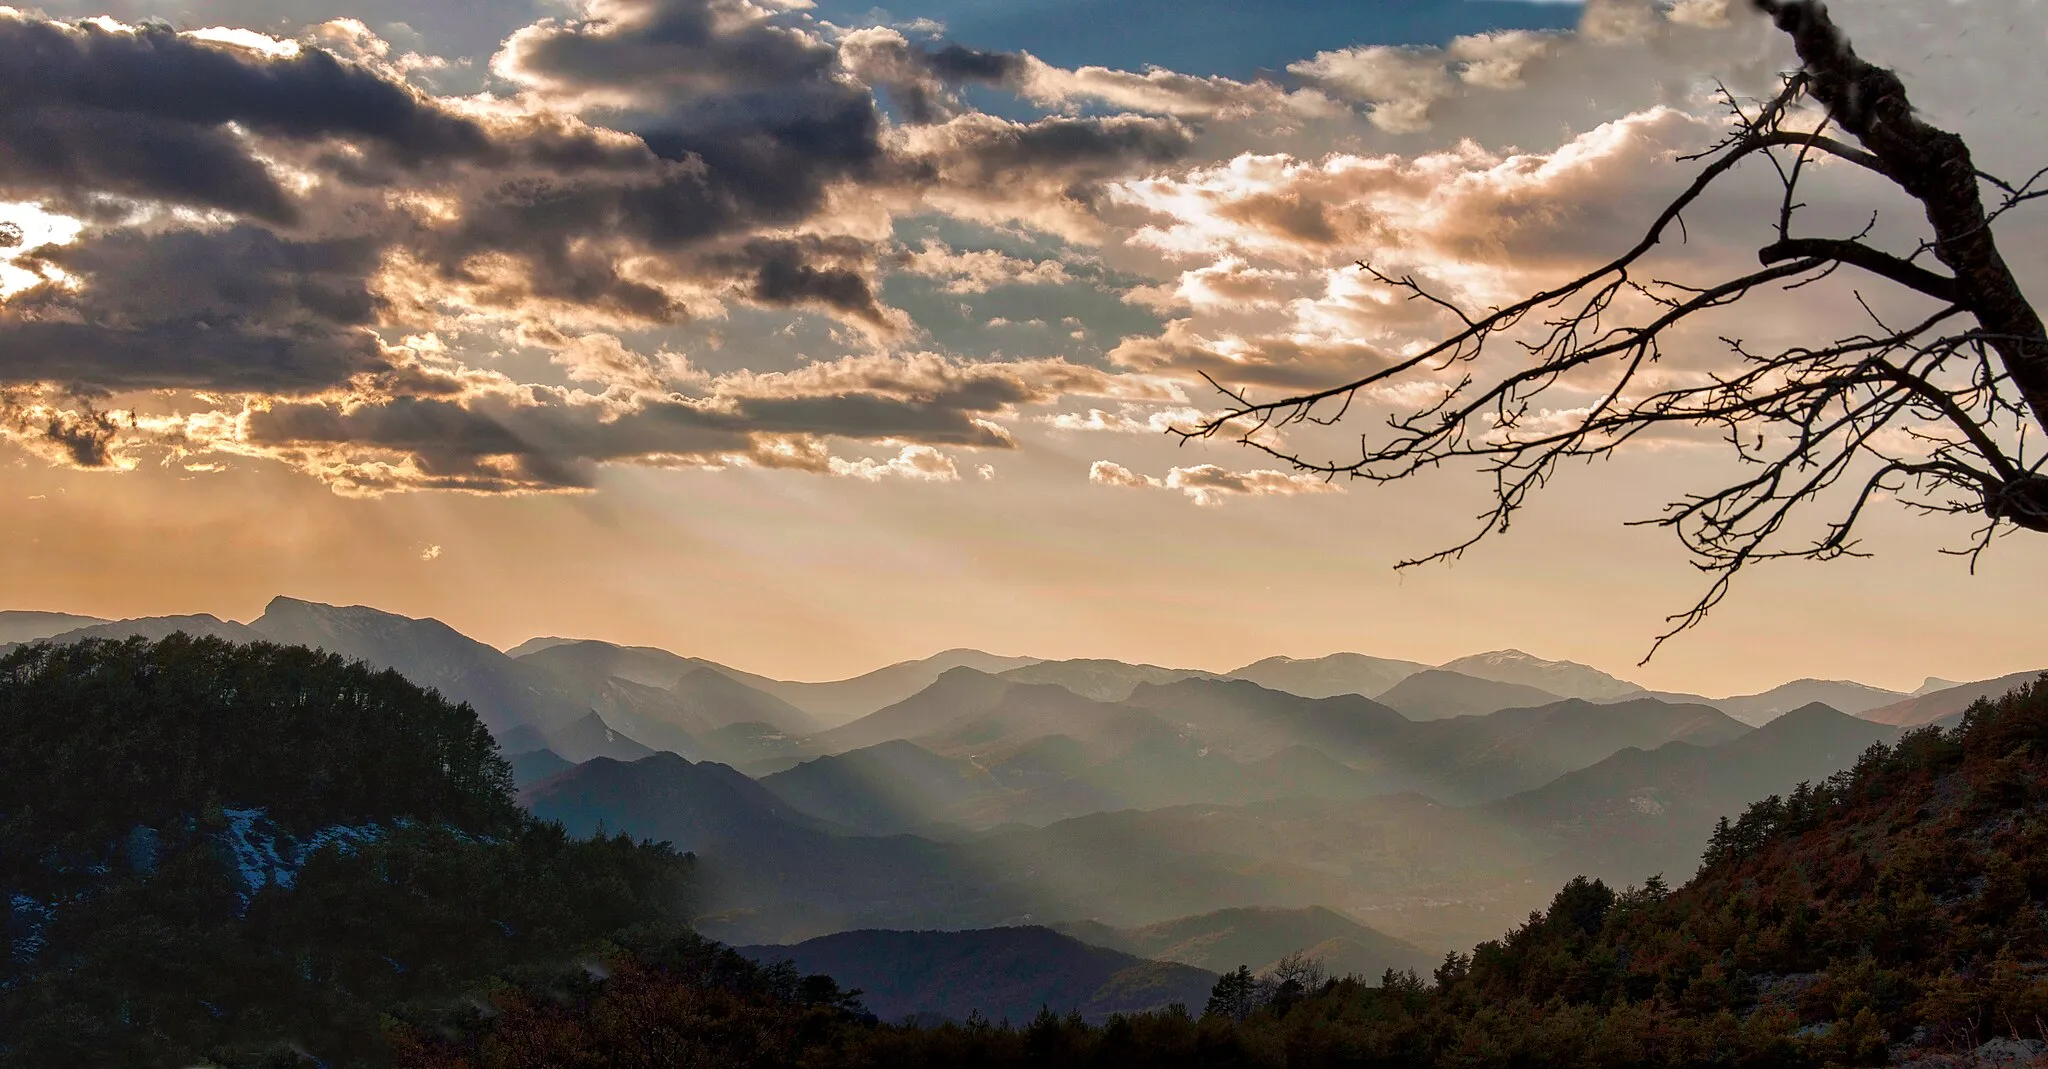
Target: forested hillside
pixel 1890 913
pixel 250 855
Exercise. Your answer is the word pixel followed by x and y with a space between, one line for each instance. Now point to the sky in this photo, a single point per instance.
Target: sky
pixel 808 338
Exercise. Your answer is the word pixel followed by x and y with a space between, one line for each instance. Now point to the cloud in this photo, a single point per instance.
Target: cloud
pixel 233 309
pixel 1268 295
pixel 922 81
pixel 499 436
pixel 1287 361
pixel 656 55
pixel 1128 419
pixel 980 270
pixel 1052 174
pixel 257 219
pixel 1461 205
pixel 916 463
pixel 92 109
pixel 1209 485
pixel 1400 83
pixel 1622 50
pixel 604 360
pixel 79 436
pixel 1158 91
pixel 828 273
pixel 1110 473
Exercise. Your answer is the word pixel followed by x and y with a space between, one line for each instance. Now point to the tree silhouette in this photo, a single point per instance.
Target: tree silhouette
pixel 1942 411
pixel 1235 995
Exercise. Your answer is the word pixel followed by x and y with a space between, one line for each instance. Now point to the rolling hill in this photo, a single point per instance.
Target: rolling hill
pixel 1327 677
pixel 966 709
pixel 533 766
pixel 153 628
pixel 999 974
pixel 884 789
pixel 589 737
pixel 1480 757
pixel 20 625
pixel 1101 680
pixel 1566 679
pixel 1227 938
pixel 1942 704
pixel 1643 811
pixel 1437 694
pixel 798 707
pixel 1838 694
pixel 1249 721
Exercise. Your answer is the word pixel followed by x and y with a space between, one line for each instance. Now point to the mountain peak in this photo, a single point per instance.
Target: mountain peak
pixel 1934 683
pixel 1568 679
pixel 963 676
pixel 285 613
pixel 1811 711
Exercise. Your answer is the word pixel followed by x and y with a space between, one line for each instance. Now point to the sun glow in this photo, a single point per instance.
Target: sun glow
pixel 37 228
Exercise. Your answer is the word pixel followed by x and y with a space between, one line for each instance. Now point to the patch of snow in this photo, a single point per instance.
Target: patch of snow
pixel 29 916
pixel 265 857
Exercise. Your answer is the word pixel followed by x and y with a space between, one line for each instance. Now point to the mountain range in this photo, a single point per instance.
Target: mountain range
pixel 968 790
pixel 581 676
pixel 828 846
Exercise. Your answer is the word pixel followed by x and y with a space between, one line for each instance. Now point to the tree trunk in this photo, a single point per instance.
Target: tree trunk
pixel 1934 166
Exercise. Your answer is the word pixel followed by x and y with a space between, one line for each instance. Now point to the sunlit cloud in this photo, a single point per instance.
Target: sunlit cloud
pixel 1209 485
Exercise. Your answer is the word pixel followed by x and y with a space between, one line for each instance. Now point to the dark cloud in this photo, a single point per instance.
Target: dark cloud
pixel 82 438
pixel 654 53
pixel 746 124
pixel 922 82
pixel 768 157
pixel 236 309
pixel 545 439
pixel 1082 150
pixel 146 114
pixel 452 445
pixel 827 272
pixel 959 65
pixel 944 420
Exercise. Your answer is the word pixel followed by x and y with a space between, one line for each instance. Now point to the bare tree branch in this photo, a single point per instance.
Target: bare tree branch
pixel 1938 414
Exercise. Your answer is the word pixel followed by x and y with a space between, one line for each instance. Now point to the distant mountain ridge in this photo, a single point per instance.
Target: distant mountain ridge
pixel 1839 694
pixel 1101 680
pixel 1258 937
pixel 823 705
pixel 1566 679
pixel 1941 704
pixel 999 974
pixel 801 708
pixel 1329 676
pixel 23 625
pixel 1438 693
pixel 1652 808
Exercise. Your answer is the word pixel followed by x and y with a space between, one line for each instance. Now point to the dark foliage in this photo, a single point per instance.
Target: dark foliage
pixel 104 736
pixel 253 855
